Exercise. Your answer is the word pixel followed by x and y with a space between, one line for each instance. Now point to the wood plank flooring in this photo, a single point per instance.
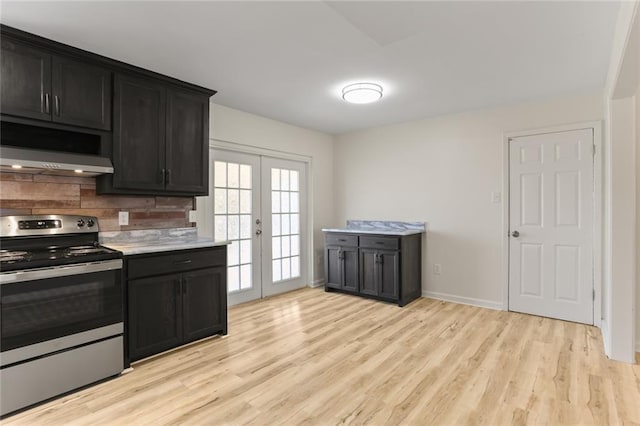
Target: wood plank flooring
pixel 310 357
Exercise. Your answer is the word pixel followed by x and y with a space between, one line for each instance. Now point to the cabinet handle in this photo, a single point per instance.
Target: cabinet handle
pixel 168 176
pixel 342 239
pixel 57 102
pixel 379 242
pixel 162 175
pixel 46 103
pixel 182 262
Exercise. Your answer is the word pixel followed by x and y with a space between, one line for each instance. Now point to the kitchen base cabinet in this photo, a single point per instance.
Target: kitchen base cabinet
pixel 381 267
pixel 174 298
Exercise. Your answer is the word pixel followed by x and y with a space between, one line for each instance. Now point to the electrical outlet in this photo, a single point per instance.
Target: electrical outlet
pixel 495 197
pixel 437 269
pixel 123 218
pixel 193 217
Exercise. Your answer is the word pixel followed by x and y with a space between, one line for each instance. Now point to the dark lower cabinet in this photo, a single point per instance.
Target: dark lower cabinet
pixel 155 315
pixel 381 267
pixel 203 296
pixel 341 267
pixel 166 310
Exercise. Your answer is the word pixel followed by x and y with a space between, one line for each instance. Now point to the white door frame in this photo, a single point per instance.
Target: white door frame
pixel 597 208
pixel 308 271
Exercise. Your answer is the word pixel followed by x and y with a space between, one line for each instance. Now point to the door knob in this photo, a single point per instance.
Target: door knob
pixel 515 234
pixel 258 231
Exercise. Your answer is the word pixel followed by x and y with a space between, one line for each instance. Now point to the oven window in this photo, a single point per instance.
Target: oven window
pixel 40 310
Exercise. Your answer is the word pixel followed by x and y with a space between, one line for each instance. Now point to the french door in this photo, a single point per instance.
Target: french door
pixel 259 206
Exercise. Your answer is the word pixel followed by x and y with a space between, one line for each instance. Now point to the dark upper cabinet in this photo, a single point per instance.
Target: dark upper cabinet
pixel 139 134
pixel 81 94
pixel 155 315
pixel 187 141
pixel 203 293
pixel 25 80
pixel 160 139
pixel 41 85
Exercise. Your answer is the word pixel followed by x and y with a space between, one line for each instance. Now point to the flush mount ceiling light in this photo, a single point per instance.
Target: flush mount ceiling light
pixel 362 93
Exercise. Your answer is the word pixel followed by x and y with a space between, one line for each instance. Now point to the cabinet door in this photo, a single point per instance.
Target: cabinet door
pixel 187 142
pixel 389 273
pixel 350 268
pixel 155 315
pixel 204 295
pixel 333 267
pixel 25 81
pixel 369 272
pixel 138 134
pixel 81 94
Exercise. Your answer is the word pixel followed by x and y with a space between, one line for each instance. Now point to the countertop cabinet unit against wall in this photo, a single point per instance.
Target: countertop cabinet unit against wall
pixel 175 298
pixel 39 84
pixel 160 140
pixel 381 267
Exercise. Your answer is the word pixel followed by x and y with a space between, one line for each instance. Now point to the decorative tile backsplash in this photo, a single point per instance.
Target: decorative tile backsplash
pixel 24 193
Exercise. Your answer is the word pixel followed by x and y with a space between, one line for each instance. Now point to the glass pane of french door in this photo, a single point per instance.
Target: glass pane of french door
pixel 236 207
pixel 284 236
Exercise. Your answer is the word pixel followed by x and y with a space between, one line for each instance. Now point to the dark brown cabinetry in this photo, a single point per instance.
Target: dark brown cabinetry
pixel 41 85
pixel 182 297
pixel 154 128
pixel 381 267
pixel 160 140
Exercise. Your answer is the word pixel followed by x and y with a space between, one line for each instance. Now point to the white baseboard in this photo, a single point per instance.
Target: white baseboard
pixel 317 283
pixel 482 303
pixel 604 329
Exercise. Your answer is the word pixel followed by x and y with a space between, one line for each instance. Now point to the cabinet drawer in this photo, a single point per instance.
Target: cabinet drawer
pixel 176 261
pixel 391 243
pixel 341 240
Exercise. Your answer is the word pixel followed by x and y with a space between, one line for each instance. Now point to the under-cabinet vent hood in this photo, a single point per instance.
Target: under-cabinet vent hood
pixel 52 162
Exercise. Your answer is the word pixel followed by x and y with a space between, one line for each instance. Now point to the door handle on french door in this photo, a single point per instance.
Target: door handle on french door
pixel 515 234
pixel 258 231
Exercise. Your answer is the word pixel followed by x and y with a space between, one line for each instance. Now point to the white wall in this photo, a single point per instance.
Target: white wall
pixel 443 171
pixel 248 130
pixel 637 219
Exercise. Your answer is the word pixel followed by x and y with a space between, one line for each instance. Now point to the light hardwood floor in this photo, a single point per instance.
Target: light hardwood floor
pixel 323 358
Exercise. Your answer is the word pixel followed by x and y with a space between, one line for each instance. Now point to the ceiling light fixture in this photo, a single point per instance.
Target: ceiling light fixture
pixel 362 93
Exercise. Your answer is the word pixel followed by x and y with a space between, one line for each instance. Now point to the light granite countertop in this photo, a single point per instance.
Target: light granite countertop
pixel 380 227
pixel 156 240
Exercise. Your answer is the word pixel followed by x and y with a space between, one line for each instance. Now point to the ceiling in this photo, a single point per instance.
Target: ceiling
pixel 289 60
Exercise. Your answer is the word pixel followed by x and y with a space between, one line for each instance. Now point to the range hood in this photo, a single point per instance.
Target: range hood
pixel 37 161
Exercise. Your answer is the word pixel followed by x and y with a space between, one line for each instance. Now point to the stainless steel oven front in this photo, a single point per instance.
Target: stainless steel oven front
pixel 60 328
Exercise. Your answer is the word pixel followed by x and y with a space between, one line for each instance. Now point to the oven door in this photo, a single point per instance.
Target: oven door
pixel 49 303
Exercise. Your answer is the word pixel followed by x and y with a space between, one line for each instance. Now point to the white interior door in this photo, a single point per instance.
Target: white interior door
pixel 284 225
pixel 551 225
pixel 236 208
pixel 259 206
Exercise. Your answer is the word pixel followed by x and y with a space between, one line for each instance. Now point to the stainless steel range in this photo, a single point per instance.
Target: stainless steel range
pixel 61 310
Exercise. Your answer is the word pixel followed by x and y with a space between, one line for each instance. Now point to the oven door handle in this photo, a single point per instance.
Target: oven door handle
pixel 59 271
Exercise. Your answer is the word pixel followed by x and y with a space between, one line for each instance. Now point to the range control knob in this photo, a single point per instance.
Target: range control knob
pixel 90 223
pixel 80 223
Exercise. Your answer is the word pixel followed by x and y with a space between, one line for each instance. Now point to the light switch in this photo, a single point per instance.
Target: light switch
pixel 496 197
pixel 193 217
pixel 123 218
